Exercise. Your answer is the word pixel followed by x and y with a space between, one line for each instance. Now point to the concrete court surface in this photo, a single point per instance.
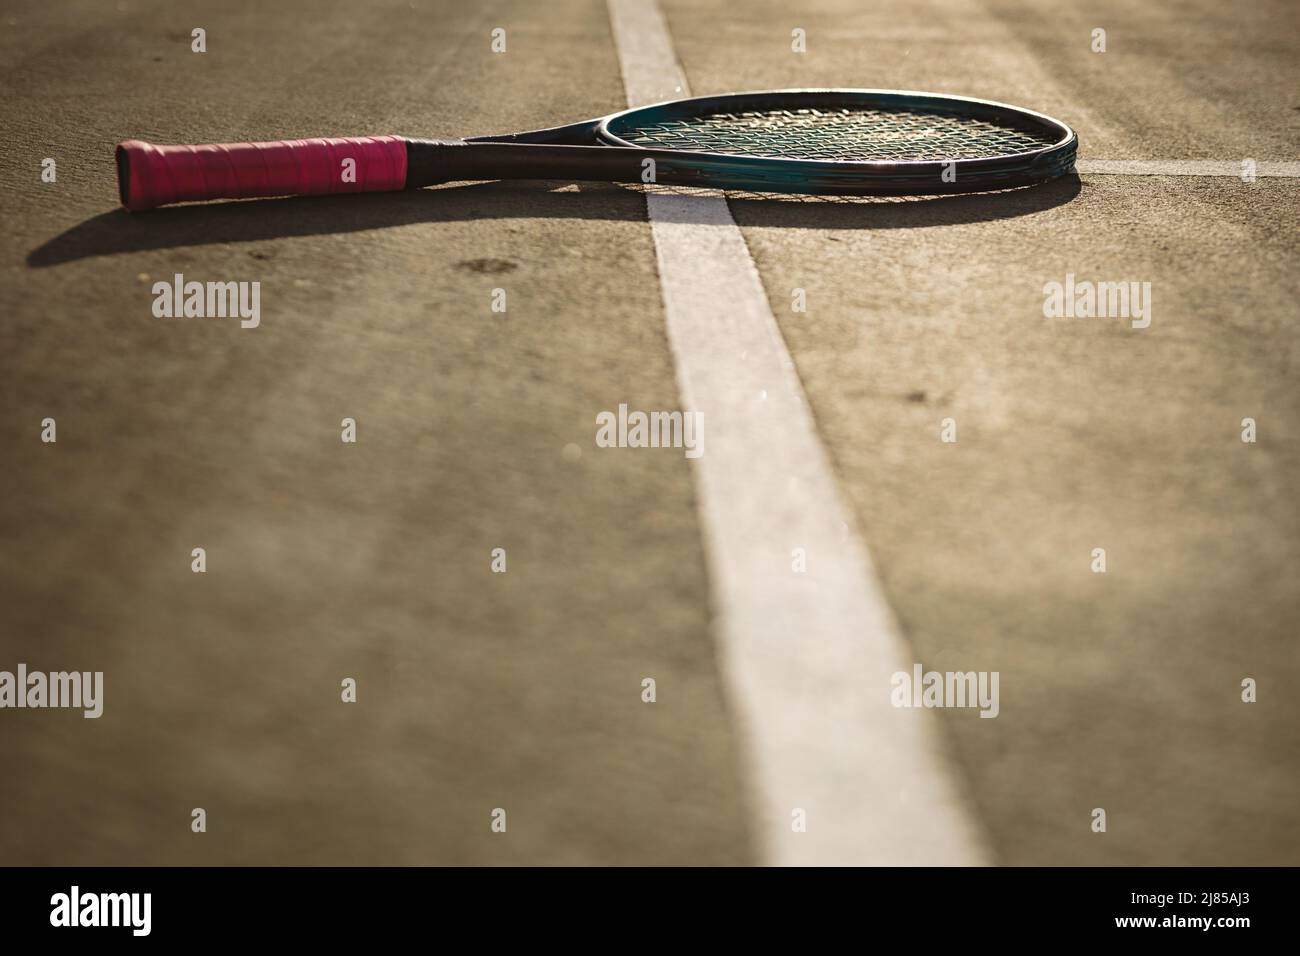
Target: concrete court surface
pixel 522 690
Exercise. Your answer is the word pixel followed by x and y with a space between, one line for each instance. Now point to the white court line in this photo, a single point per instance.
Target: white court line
pixel 807 657
pixel 1184 167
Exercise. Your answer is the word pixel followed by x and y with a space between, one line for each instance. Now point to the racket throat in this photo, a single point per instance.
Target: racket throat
pixel 433 161
pixel 430 162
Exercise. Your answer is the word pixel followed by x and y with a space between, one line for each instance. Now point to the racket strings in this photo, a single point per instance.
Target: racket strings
pixel 861 135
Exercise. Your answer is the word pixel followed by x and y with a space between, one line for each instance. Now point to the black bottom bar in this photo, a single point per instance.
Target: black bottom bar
pixel 975 907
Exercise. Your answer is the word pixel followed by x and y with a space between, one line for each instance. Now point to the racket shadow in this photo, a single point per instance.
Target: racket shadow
pixel 119 232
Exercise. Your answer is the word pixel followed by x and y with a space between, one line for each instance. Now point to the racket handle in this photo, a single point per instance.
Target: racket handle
pixel 149 176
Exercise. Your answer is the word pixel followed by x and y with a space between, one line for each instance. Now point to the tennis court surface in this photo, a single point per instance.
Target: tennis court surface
pixel 956 466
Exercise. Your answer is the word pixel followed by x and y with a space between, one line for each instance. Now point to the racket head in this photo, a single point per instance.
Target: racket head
pixel 850 140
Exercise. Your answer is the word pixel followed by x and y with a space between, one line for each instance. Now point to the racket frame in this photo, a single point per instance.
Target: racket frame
pixel 594 150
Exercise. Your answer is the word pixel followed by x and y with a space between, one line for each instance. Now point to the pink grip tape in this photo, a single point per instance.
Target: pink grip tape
pixel 151 176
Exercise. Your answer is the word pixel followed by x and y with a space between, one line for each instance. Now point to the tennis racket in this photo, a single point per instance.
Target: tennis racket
pixel 854 142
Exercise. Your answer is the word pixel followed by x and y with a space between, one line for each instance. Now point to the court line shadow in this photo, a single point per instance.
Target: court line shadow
pixel 118 232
